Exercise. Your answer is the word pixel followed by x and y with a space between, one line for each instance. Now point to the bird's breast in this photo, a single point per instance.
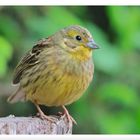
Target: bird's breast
pixel 62 82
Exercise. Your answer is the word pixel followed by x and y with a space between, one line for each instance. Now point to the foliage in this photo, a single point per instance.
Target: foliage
pixel 6 53
pixel 111 103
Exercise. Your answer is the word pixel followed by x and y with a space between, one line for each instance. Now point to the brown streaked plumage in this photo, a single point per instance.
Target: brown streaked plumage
pixel 57 70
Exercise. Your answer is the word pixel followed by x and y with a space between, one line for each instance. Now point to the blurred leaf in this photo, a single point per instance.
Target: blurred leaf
pixel 5 55
pixel 114 112
pixel 3 67
pixel 117 15
pixel 9 28
pixel 5 48
pixel 79 11
pixel 118 93
pixel 125 21
pixel 135 39
pixel 108 60
pixel 119 123
pixel 61 18
pixel 38 27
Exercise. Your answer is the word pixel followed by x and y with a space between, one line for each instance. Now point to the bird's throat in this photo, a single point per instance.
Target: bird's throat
pixel 82 54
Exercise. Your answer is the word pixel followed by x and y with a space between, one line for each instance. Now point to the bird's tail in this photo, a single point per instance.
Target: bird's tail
pixel 19 95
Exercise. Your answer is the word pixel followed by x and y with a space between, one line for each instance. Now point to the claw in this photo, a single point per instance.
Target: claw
pixel 69 117
pixel 60 114
pixel 43 116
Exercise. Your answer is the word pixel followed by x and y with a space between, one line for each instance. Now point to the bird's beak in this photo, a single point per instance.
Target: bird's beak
pixel 91 44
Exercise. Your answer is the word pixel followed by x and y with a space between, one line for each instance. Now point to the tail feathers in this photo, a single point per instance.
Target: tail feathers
pixel 18 96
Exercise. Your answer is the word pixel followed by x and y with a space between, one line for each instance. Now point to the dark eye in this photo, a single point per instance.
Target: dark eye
pixel 78 38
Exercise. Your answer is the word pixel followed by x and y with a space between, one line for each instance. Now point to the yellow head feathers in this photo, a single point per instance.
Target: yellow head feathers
pixel 78 42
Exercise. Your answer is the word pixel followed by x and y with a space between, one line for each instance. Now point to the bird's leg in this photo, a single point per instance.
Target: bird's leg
pixel 69 117
pixel 42 115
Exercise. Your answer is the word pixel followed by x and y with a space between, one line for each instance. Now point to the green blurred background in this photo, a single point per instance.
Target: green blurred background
pixel 111 105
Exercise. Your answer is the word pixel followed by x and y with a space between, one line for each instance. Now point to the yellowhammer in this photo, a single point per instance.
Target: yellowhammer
pixel 57 70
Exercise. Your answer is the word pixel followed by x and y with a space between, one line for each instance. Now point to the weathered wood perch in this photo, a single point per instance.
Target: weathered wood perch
pixel 34 125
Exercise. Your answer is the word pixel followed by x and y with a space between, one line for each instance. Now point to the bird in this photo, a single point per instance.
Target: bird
pixel 56 71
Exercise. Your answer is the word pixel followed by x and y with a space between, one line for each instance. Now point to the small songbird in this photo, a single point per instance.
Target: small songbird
pixel 56 71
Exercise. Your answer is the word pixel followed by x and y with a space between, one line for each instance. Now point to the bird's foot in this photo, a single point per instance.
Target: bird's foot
pixel 45 117
pixel 68 116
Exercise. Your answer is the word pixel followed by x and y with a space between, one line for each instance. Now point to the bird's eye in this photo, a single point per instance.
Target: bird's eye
pixel 78 38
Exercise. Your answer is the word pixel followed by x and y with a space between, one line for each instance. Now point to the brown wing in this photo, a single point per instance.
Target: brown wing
pixel 30 59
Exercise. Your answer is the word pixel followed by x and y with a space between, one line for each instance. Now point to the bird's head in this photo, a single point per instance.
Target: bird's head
pixel 77 41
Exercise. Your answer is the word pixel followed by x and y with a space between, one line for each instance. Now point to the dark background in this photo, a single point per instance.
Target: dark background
pixel 111 105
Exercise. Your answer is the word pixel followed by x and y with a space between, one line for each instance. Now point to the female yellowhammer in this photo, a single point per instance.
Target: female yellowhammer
pixel 57 70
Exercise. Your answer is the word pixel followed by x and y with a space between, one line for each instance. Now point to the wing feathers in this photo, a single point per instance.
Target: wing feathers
pixel 30 59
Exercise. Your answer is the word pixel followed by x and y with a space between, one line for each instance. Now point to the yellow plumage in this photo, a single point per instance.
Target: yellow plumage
pixel 58 70
pixel 59 83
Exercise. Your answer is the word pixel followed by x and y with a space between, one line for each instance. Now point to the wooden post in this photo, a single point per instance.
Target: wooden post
pixel 34 125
